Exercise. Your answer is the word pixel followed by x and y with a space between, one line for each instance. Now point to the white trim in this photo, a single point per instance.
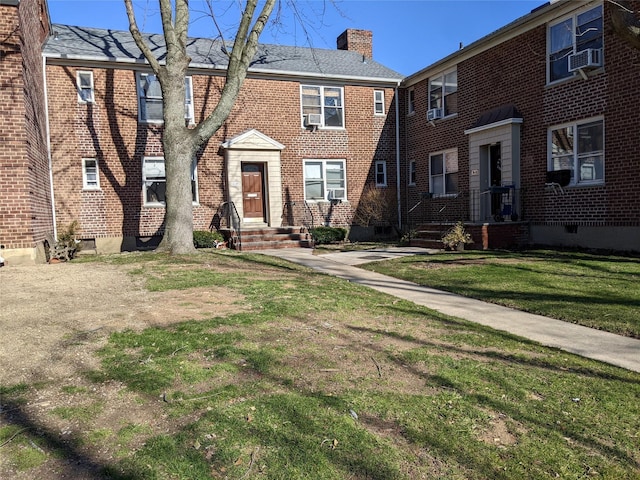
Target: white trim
pixel 501 123
pixel 85 182
pixel 79 86
pixel 377 102
pixel 194 178
pixel 444 172
pixel 325 190
pixel 322 105
pixel 575 125
pixel 383 163
pixel 49 154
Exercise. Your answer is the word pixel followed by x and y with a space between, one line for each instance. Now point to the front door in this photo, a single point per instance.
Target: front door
pixel 252 190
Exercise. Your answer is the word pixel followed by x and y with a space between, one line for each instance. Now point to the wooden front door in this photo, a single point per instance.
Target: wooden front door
pixel 252 190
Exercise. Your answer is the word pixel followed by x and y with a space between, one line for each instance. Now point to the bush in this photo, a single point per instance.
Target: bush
pixel 328 234
pixel 67 240
pixel 206 239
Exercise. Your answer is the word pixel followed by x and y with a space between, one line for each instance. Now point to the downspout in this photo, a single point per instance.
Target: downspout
pixel 47 127
pixel 398 196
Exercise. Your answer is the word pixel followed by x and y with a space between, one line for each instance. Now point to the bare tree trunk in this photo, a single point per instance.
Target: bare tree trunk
pixel 181 143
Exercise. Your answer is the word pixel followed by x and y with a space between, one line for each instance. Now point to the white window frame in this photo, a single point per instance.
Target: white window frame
pixel 90 98
pixel 575 156
pixel 326 185
pixel 574 47
pixel 322 107
pixel 381 170
pixel 378 102
pixel 413 172
pixel 411 101
pixel 446 92
pixel 87 183
pixel 188 101
pixel 444 174
pixel 146 182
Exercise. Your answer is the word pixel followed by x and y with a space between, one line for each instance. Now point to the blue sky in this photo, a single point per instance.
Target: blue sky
pixel 408 35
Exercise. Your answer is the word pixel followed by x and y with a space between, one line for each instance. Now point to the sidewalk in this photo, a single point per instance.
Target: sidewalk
pixel 587 342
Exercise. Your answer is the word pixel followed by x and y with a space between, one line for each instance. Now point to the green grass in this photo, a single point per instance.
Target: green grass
pixel 319 378
pixel 599 291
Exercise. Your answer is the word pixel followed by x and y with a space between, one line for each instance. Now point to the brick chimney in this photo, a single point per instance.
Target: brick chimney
pixel 360 41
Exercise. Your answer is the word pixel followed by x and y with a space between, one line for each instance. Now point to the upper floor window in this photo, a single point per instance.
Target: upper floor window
pixel 443 94
pixel 381 173
pixel 322 106
pixel 150 99
pixel 90 179
pixel 578 147
pixel 324 180
pixel 84 83
pixel 411 101
pixel 378 102
pixel 154 181
pixel 572 35
pixel 443 172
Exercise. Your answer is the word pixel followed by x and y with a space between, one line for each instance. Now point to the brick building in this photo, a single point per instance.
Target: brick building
pixel 528 135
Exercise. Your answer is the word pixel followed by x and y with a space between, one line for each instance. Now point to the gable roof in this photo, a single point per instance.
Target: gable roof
pixel 99 45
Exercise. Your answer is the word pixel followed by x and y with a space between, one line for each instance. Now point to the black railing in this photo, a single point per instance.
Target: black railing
pixel 496 204
pixel 229 212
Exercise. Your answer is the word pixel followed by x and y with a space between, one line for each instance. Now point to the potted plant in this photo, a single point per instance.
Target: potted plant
pixel 456 237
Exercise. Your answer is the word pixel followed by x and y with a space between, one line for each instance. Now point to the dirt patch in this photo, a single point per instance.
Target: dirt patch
pixel 54 317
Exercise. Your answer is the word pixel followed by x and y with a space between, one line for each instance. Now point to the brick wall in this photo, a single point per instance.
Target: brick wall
pixel 25 203
pixel 109 131
pixel 514 72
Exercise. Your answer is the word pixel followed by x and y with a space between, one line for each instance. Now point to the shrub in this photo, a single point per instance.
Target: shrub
pixel 456 236
pixel 206 239
pixel 328 234
pixel 67 241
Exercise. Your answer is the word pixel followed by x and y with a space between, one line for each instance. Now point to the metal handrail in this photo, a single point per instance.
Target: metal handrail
pixel 233 222
pixel 305 224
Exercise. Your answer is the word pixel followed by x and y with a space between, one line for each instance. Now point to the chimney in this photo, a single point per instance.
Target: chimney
pixel 360 41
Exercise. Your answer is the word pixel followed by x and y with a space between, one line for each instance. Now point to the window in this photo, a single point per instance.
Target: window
pixel 155 181
pixel 412 172
pixel 443 93
pixel 572 35
pixel 443 173
pixel 411 101
pixel 324 180
pixel 579 148
pixel 84 83
pixel 90 179
pixel 323 101
pixel 378 102
pixel 150 99
pixel 381 173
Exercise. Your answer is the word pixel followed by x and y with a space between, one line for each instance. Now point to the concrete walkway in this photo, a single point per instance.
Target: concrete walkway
pixel 587 342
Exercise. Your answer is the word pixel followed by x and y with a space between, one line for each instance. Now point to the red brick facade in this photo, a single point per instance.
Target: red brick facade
pixel 25 192
pixel 506 68
pixel 109 131
pixel 512 69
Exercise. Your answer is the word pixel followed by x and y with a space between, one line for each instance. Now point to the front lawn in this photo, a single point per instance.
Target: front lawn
pixel 599 291
pixel 312 377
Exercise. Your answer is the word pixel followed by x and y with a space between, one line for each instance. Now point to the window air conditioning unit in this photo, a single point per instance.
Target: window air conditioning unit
pixel 589 58
pixel 434 114
pixel 312 120
pixel 337 194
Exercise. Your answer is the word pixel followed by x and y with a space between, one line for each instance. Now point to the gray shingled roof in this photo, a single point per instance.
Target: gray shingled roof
pixel 94 44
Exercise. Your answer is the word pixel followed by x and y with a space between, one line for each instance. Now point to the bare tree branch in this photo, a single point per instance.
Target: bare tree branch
pixel 137 37
pixel 626 23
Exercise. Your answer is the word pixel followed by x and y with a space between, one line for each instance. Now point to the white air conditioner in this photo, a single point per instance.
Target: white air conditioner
pixel 589 58
pixel 434 114
pixel 337 194
pixel 312 120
